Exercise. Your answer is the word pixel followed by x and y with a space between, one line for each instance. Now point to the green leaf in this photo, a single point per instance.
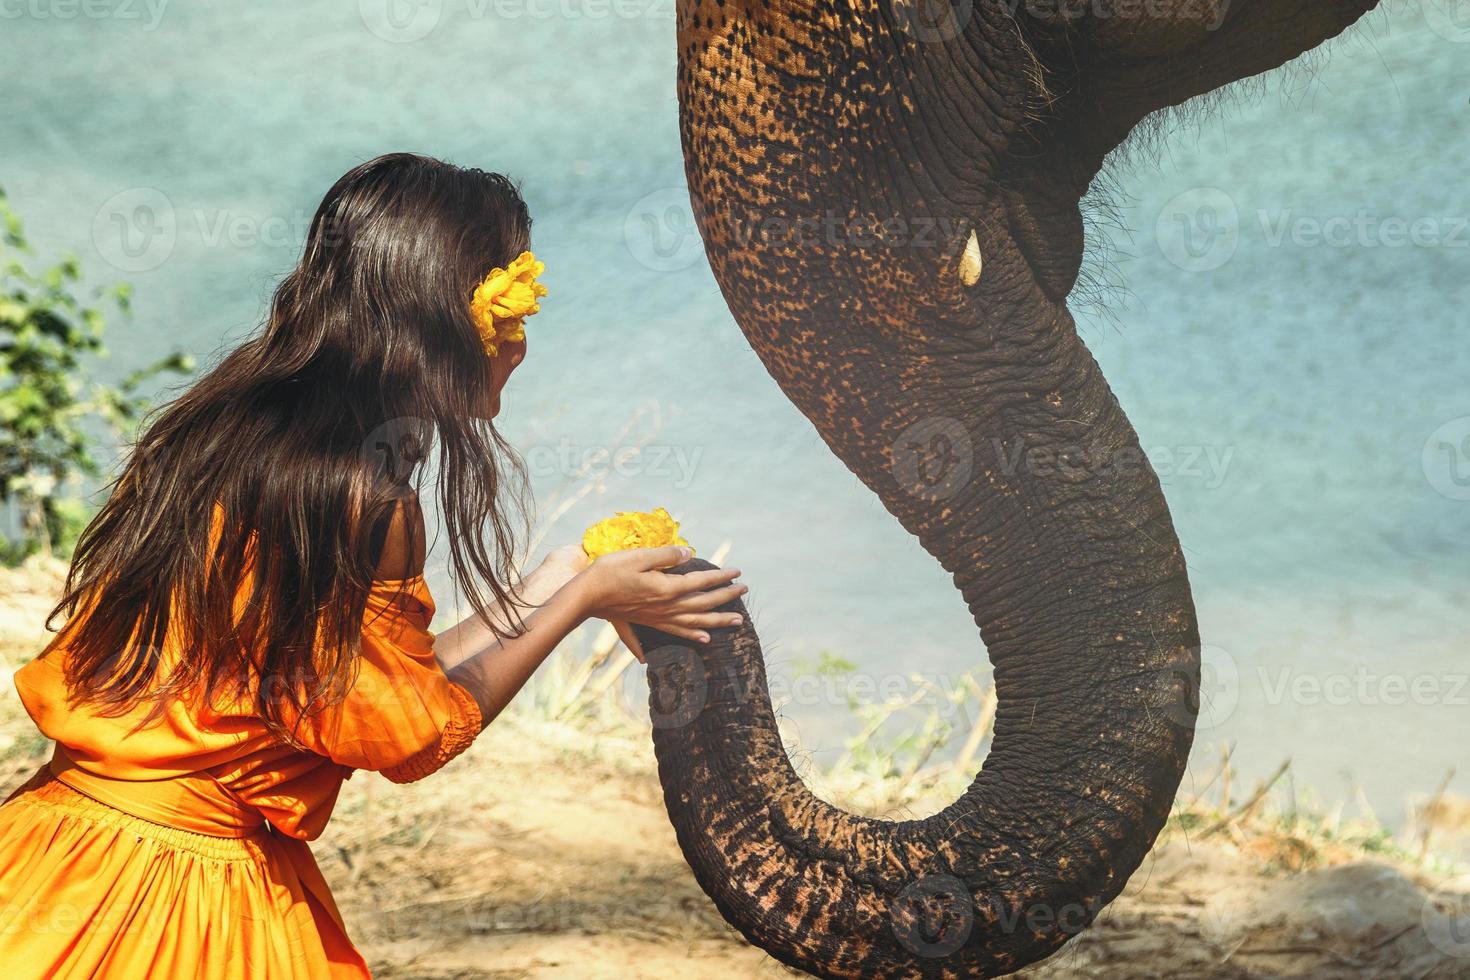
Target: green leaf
pixel 49 405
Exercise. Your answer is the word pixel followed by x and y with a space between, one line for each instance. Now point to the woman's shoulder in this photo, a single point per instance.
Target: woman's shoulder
pixel 399 541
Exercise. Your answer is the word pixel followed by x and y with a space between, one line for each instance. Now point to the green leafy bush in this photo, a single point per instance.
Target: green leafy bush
pixel 52 414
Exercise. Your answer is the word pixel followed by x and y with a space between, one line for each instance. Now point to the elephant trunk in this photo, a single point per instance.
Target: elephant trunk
pixel 1057 534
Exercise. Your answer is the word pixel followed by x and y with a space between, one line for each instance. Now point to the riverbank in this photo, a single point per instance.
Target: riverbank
pixel 544 851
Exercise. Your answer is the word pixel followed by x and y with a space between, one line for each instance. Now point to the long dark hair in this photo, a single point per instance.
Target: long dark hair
pixel 282 467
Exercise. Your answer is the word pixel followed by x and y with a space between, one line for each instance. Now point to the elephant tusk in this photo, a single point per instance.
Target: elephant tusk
pixel 972 263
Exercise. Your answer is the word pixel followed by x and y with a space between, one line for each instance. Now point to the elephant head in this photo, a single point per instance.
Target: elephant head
pixel 889 195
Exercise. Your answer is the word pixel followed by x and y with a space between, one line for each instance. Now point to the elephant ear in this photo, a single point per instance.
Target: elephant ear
pixel 890 206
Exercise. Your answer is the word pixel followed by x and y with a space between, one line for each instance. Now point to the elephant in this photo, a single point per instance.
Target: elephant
pixel 890 194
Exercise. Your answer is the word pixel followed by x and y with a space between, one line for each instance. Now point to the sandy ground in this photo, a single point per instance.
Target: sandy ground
pixel 544 852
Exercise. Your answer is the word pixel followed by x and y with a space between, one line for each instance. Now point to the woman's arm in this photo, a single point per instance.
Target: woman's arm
pixel 401 550
pixel 500 668
pixel 629 586
pixel 473 634
pixel 470 654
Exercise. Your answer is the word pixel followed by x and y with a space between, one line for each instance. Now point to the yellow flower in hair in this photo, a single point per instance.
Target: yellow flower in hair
pixel 632 529
pixel 504 299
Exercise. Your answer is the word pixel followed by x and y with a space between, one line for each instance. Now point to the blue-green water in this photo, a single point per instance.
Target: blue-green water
pixel 1286 326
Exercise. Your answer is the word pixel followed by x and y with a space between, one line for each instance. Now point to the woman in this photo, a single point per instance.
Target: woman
pixel 247 619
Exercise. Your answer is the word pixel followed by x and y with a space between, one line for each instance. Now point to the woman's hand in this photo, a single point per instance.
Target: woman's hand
pixel 631 587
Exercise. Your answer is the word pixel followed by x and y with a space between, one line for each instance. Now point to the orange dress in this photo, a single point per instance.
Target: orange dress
pixel 178 849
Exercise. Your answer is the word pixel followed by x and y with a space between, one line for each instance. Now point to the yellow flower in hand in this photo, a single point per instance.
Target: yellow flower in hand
pixel 632 529
pixel 504 299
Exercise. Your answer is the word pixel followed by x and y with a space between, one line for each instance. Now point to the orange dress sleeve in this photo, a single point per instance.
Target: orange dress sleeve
pixel 402 716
